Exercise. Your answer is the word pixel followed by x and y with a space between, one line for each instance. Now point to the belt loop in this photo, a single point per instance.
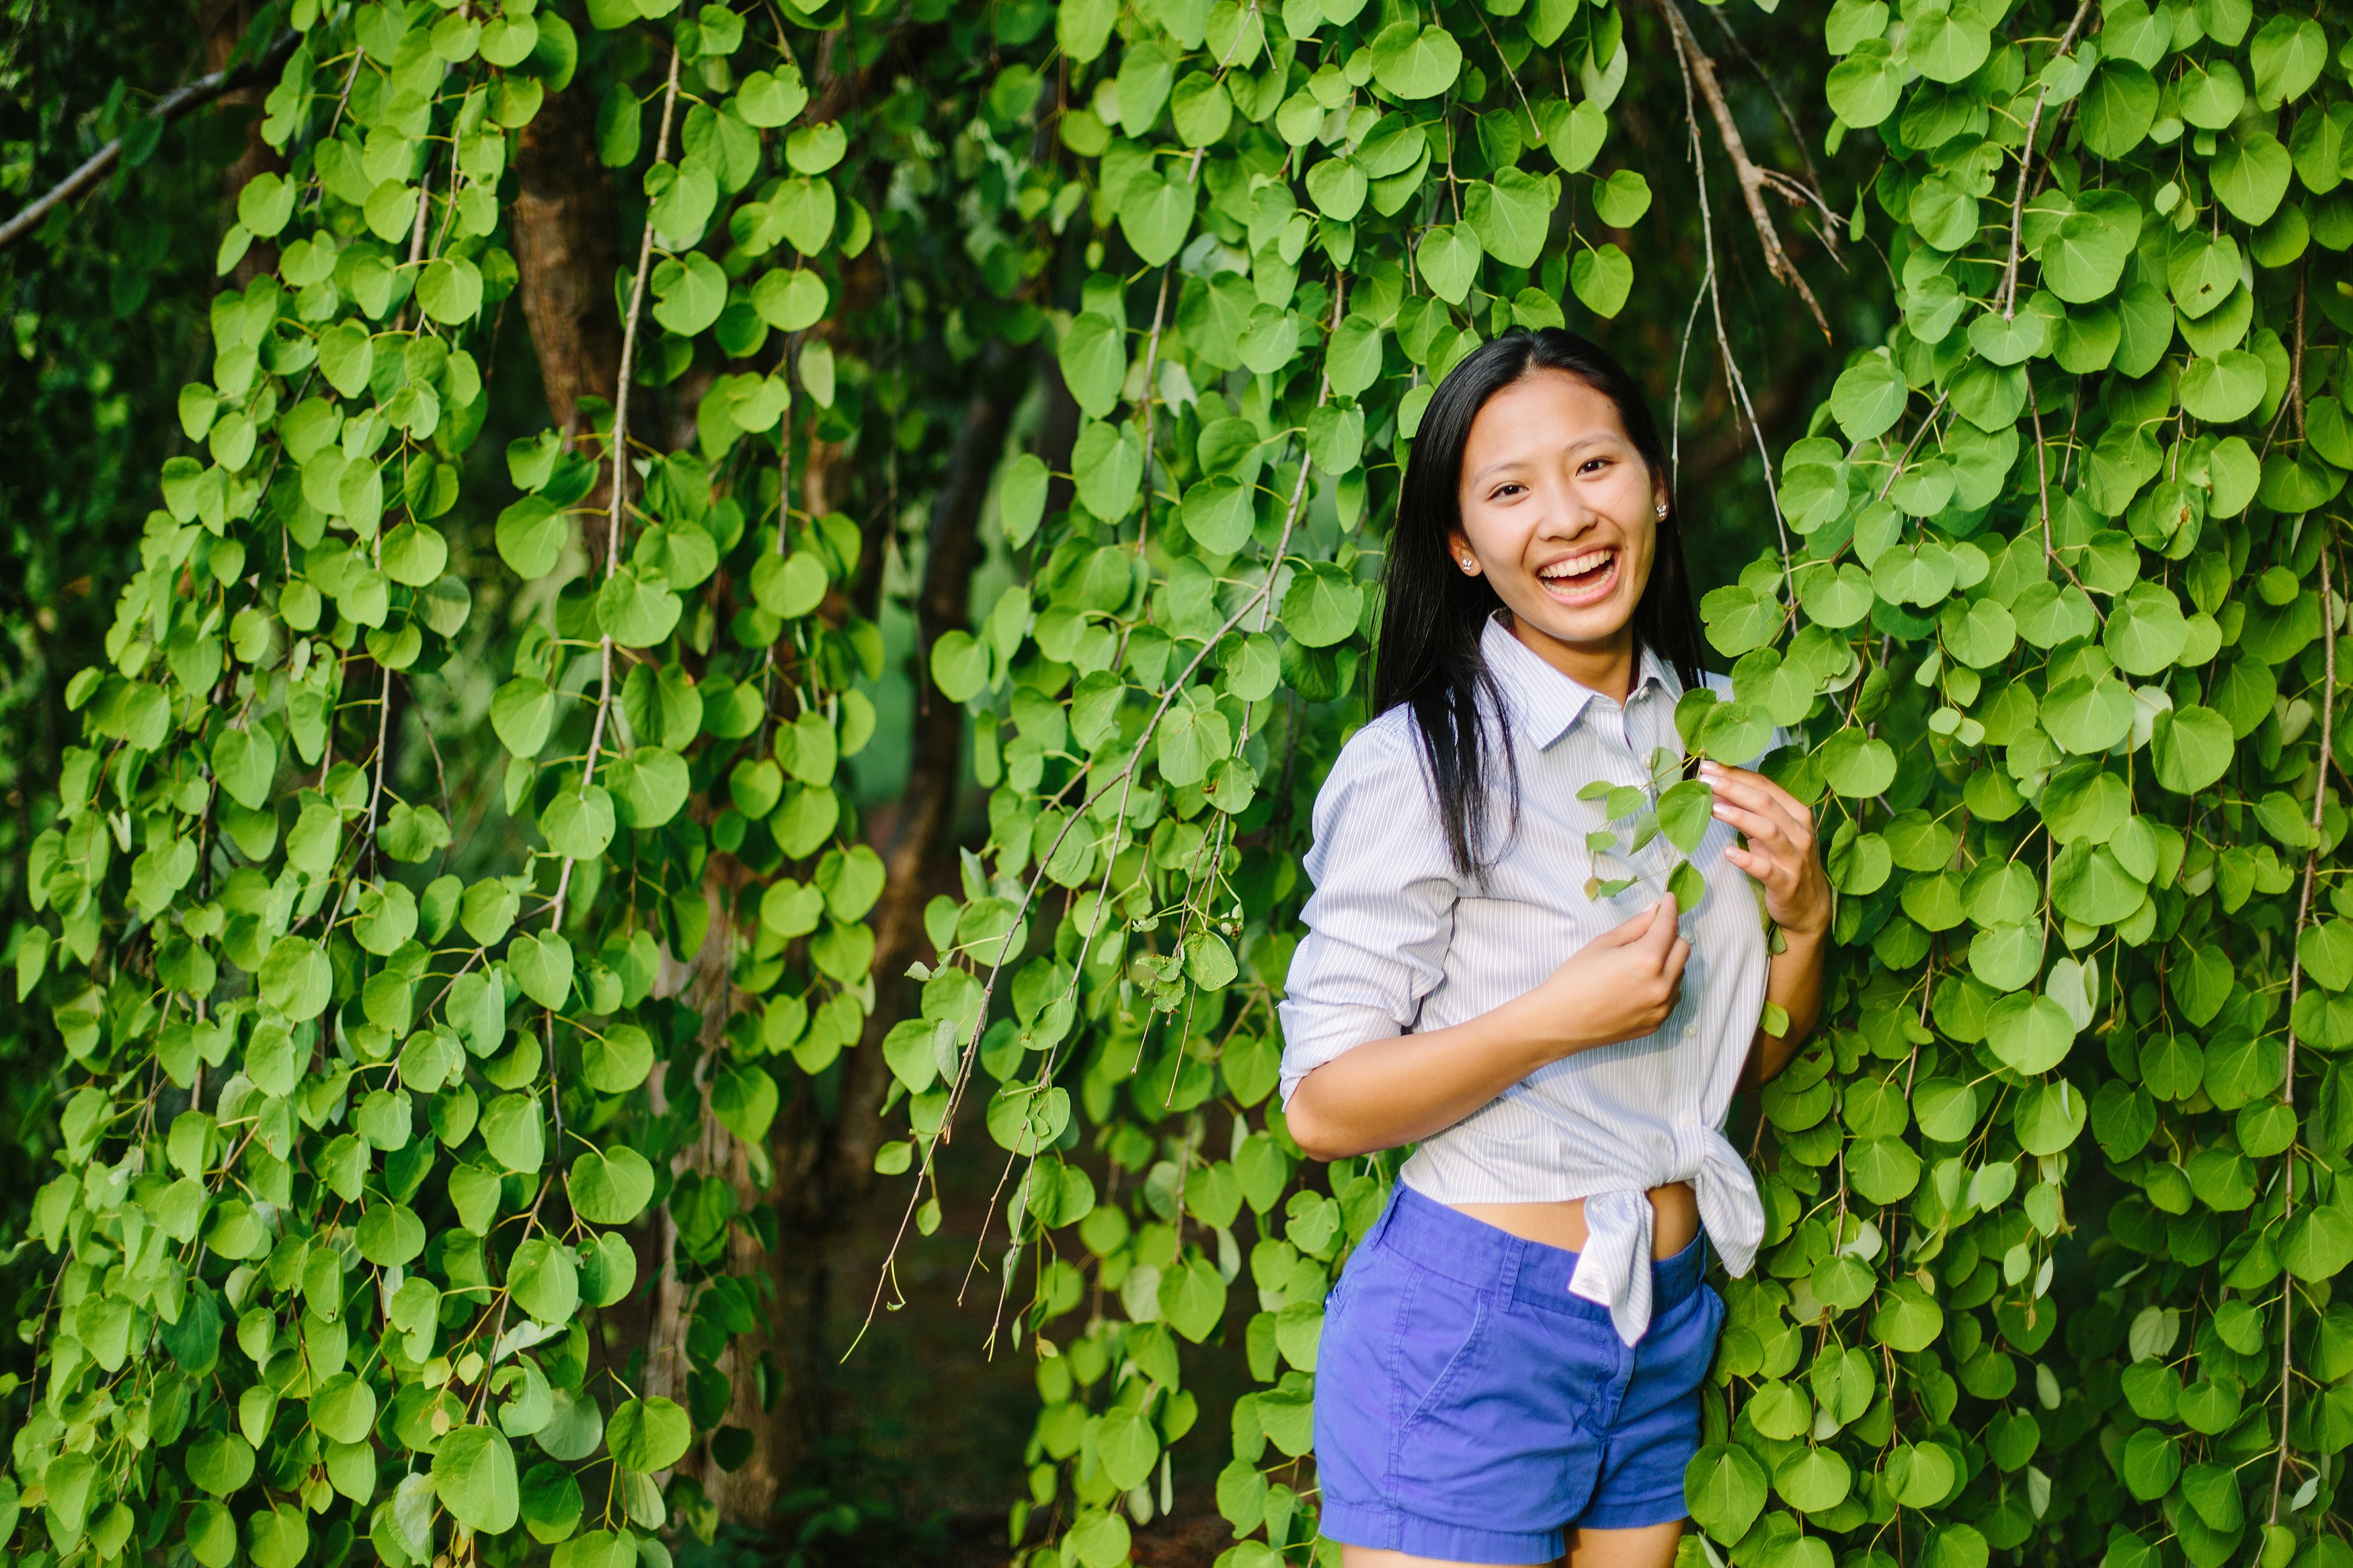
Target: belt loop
pixel 1698 1264
pixel 1507 1279
pixel 1388 1212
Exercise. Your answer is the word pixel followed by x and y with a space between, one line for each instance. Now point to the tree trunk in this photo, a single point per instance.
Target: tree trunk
pixel 825 1162
pixel 567 254
pixel 225 26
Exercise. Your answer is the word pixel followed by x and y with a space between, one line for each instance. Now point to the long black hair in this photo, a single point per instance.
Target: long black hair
pixel 1433 613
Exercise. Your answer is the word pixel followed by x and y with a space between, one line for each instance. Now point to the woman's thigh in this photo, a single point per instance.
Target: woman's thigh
pixel 1653 1546
pixel 1648 1546
pixel 1381 1557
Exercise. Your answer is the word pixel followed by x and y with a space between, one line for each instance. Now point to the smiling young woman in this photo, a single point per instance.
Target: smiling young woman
pixel 1511 1361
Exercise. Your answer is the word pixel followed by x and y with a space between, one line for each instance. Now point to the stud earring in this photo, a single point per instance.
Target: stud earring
pixel 1663 513
pixel 1469 562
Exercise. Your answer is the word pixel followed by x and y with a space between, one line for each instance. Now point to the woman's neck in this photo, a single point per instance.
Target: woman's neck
pixel 1605 667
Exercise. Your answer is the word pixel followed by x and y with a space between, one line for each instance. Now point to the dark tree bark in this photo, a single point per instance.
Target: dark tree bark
pixel 225 27
pixel 567 253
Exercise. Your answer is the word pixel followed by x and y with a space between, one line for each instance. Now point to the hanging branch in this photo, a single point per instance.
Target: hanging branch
pixel 2294 400
pixel 2025 160
pixel 177 105
pixel 1694 66
pixel 1753 180
pixel 1151 365
pixel 616 502
pixel 1811 189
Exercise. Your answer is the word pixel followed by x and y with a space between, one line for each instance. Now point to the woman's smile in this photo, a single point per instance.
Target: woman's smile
pixel 1585 578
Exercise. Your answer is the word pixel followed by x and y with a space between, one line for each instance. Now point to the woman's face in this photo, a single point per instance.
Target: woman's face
pixel 1559 512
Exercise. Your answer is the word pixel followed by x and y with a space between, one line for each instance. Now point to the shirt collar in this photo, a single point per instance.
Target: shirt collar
pixel 1545 703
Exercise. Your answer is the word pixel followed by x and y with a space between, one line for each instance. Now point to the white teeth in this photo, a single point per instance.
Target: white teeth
pixel 1576 566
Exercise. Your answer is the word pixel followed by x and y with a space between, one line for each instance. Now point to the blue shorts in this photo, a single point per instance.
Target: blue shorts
pixel 1469 1408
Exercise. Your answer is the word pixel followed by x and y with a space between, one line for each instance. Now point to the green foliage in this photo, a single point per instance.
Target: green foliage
pixel 349 1136
pixel 2085 492
pixel 104 314
pixel 361 1107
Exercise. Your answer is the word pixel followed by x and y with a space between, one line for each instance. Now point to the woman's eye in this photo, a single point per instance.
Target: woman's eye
pixel 1504 493
pixel 1593 465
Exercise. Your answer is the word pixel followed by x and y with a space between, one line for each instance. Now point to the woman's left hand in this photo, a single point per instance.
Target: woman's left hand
pixel 1780 852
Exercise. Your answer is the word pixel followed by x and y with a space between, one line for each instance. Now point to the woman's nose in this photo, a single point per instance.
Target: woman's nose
pixel 1564 514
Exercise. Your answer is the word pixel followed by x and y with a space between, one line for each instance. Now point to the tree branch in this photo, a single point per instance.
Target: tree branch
pixel 1752 179
pixel 174 106
pixel 925 843
pixel 621 452
pixel 1810 190
pixel 2295 988
pixel 1693 66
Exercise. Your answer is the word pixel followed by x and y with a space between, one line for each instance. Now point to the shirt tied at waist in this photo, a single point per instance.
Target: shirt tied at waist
pixel 1614 1268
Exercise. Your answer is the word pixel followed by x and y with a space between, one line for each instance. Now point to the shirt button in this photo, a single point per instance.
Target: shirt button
pixel 1686 1119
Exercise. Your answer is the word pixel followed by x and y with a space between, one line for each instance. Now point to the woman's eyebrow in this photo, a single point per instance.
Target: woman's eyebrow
pixel 1595 438
pixel 1498 466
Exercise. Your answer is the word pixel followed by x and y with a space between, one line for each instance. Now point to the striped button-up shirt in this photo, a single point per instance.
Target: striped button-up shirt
pixel 1397 942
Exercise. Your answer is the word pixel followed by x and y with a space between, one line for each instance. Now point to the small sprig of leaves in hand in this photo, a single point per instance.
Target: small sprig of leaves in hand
pixel 1668 803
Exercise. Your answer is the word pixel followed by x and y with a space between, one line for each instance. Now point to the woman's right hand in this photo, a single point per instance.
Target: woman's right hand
pixel 1620 986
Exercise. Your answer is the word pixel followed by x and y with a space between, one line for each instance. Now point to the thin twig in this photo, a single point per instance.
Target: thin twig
pixel 1525 107
pixel 1927 423
pixel 970 1050
pixel 1265 600
pixel 383 731
pixel 1712 289
pixel 424 216
pixel 1798 194
pixel 1683 353
pixel 2025 161
pixel 1813 186
pixel 2295 984
pixel 1151 363
pixel 2303 914
pixel 2295 398
pixel 2042 468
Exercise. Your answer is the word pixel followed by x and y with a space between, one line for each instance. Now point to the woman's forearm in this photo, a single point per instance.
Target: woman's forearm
pixel 1793 982
pixel 1387 1093
pixel 1619 986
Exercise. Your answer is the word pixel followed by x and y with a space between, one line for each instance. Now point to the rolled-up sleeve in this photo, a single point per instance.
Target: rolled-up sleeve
pixel 1382 913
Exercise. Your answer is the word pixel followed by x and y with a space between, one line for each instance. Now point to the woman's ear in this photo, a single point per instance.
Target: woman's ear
pixel 1658 497
pixel 1466 560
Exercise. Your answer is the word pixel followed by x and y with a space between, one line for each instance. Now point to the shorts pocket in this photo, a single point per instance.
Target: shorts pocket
pixel 1673 1361
pixel 1367 1268
pixel 1440 1325
pixel 1490 1433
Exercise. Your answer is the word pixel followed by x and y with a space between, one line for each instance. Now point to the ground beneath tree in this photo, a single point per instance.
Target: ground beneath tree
pixel 926 1458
